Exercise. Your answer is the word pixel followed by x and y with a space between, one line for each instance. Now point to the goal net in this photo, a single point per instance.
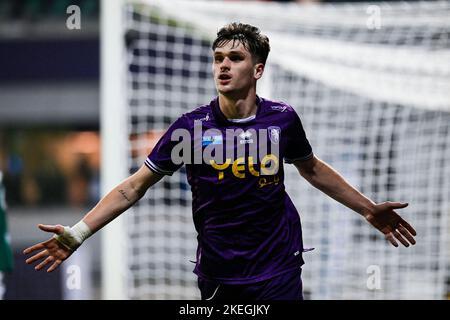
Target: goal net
pixel 371 83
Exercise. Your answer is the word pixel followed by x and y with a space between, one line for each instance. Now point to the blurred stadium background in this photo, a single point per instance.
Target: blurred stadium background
pixel 374 100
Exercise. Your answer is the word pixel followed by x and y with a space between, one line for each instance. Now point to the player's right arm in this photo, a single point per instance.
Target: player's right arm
pixel 66 240
pixel 121 198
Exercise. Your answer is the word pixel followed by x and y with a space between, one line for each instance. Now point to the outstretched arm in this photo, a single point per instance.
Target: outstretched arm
pixel 382 216
pixel 66 240
pixel 121 198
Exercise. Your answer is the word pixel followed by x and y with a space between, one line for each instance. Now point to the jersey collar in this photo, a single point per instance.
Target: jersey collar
pixel 222 120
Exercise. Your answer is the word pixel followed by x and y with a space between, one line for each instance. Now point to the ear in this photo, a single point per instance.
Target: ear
pixel 258 70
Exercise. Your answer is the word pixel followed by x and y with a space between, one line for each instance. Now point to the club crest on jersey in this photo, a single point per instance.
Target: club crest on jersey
pixel 274 134
pixel 246 137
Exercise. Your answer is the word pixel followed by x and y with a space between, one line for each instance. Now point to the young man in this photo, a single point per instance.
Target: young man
pixel 249 232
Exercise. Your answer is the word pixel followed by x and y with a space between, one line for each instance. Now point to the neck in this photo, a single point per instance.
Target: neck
pixel 238 107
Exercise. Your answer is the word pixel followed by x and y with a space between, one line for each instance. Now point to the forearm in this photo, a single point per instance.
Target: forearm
pixel 108 208
pixel 329 181
pixel 117 201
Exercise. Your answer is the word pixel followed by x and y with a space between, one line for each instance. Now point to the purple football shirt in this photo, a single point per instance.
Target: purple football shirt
pixel 248 228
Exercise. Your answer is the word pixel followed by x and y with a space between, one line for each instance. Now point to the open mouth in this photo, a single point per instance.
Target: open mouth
pixel 224 76
pixel 224 79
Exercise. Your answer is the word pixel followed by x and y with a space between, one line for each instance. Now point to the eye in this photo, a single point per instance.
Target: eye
pixel 218 58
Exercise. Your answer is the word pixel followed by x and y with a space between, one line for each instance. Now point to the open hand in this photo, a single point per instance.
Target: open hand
pixel 384 218
pixel 52 250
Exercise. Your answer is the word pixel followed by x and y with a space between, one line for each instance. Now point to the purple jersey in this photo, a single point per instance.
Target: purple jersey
pixel 248 228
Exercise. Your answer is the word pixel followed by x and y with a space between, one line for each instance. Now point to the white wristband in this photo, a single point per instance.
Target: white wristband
pixel 73 237
pixel 82 231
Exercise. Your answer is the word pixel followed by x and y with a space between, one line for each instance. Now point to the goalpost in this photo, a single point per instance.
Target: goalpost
pixel 371 83
pixel 114 144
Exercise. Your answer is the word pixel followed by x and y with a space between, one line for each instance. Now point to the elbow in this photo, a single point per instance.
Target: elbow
pixel 312 172
pixel 310 176
pixel 308 169
pixel 136 188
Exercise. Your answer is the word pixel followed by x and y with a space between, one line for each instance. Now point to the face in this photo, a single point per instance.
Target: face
pixel 234 69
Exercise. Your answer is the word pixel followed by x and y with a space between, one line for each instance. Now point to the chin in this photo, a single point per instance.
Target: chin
pixel 225 90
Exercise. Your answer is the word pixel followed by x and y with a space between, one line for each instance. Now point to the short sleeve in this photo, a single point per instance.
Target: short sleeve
pixel 160 158
pixel 298 147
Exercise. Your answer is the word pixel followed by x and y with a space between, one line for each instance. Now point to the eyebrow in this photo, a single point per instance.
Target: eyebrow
pixel 230 52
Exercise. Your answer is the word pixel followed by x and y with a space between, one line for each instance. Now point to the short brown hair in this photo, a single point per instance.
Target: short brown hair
pixel 250 37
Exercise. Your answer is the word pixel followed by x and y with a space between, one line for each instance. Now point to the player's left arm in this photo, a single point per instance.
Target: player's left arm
pixel 382 216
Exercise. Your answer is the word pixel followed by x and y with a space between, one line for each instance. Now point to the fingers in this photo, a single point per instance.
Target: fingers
pixel 34 248
pixel 49 249
pixel 47 261
pixel 37 256
pixel 41 245
pixel 58 229
pixel 54 265
pixel 400 235
pixel 44 263
pixel 400 238
pixel 391 239
pixel 408 227
pixel 406 234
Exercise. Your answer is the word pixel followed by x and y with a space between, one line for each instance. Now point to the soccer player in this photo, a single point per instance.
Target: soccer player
pixel 249 232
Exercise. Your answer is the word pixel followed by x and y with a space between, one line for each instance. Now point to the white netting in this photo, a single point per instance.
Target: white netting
pixel 371 85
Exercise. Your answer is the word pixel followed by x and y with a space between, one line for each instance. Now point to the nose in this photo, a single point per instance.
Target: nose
pixel 225 64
